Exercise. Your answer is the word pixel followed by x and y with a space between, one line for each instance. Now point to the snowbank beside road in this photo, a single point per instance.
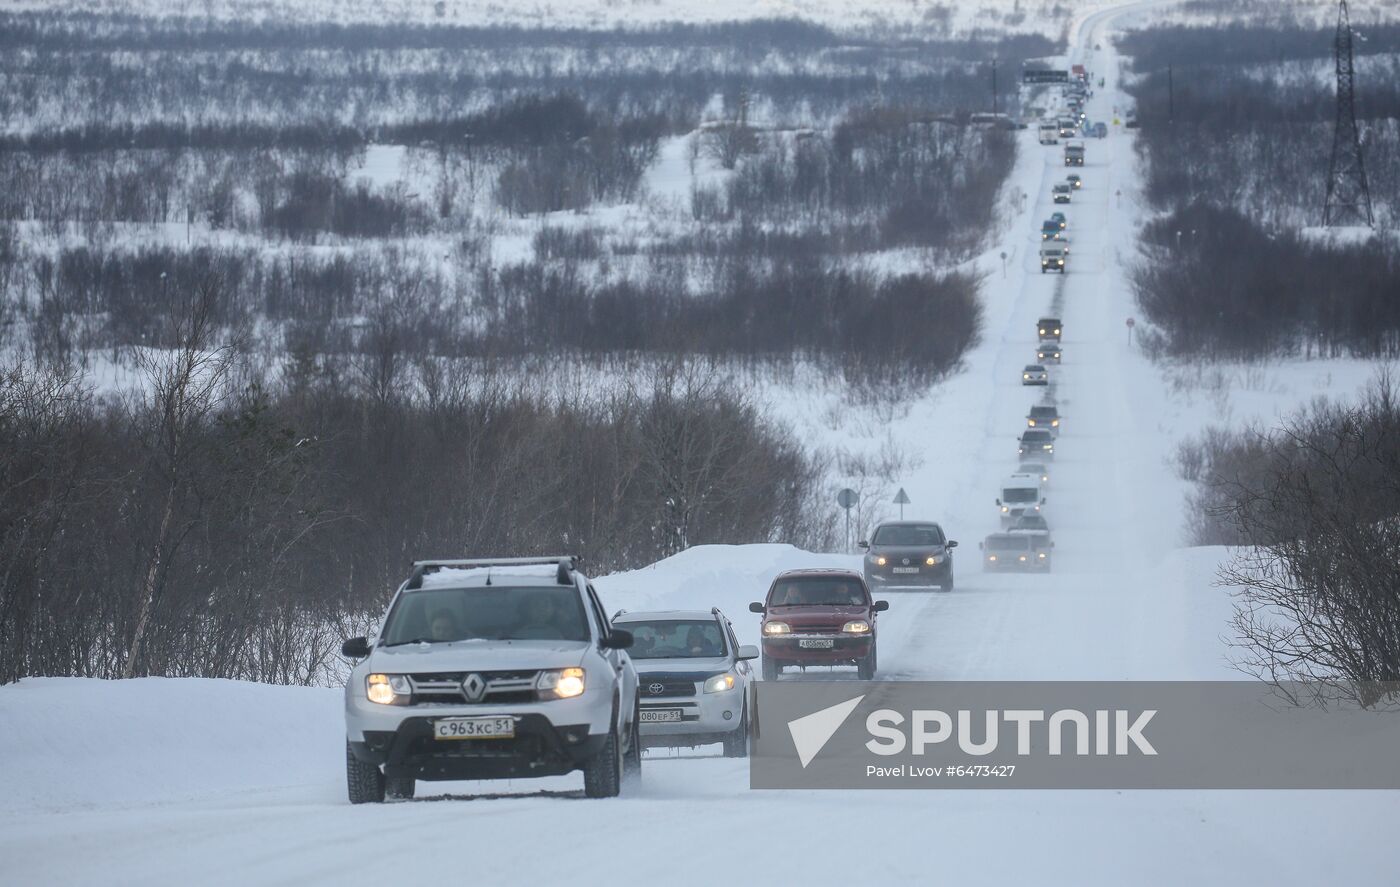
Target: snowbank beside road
pixel 76 742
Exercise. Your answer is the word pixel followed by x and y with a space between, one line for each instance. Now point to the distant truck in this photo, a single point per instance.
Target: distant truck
pixel 1052 258
pixel 1074 154
pixel 1049 134
pixel 1020 494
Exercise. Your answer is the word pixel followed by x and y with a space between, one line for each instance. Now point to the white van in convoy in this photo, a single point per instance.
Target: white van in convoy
pixel 1021 493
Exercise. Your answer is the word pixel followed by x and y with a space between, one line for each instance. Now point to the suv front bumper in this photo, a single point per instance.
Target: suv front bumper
pixel 844 649
pixel 539 748
pixel 706 717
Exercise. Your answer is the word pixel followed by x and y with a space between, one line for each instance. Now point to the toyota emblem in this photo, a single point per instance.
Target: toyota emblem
pixel 473 687
pixel 655 689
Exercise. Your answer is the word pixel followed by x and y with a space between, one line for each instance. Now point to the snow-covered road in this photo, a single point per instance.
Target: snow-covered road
pixel 165 782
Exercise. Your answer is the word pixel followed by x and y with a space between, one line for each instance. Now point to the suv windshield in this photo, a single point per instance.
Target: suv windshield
pixel 1007 543
pixel 923 536
pixel 676 639
pixel 1044 412
pixel 437 615
pixel 1019 495
pixel 812 592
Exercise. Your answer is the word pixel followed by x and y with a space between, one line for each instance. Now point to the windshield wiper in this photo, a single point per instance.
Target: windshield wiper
pixel 414 641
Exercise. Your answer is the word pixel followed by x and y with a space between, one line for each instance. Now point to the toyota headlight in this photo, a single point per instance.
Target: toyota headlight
pixel 1004 509
pixel 771 628
pixel 856 626
pixel 719 683
pixel 388 689
pixel 560 683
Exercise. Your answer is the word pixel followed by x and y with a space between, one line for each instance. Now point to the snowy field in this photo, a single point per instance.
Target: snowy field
pixel 926 17
pixel 184 781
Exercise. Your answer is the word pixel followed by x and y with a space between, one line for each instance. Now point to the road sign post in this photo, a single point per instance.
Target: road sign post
pixel 1131 323
pixel 901 499
pixel 847 499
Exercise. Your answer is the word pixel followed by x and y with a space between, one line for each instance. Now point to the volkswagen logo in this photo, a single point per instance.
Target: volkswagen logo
pixel 906 562
pixel 655 689
pixel 473 687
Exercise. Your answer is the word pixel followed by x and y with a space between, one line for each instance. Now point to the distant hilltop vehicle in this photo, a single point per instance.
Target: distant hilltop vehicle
pixel 1074 154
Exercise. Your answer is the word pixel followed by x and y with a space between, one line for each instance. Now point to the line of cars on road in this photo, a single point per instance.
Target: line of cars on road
pixel 1024 543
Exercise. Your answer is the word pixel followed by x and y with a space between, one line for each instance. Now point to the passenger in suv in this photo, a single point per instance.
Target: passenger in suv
pixel 905 553
pixel 694 679
pixel 819 617
pixel 491 669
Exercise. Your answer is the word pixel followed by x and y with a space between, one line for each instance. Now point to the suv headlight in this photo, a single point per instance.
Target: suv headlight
pixel 877 559
pixel 777 628
pixel 934 560
pixel 388 689
pixel 560 683
pixel 719 683
pixel 856 626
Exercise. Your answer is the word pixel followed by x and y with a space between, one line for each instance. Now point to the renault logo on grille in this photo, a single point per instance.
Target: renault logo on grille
pixel 473 687
pixel 655 689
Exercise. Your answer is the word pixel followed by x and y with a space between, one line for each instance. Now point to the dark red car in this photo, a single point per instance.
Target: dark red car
pixel 819 617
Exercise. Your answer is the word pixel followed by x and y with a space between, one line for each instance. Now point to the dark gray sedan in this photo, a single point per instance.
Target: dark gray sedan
pixel 909 553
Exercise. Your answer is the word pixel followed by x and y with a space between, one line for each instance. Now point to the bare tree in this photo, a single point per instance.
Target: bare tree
pixel 183 389
pixel 1318 584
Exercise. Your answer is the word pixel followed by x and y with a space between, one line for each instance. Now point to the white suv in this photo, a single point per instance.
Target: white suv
pixel 694 679
pixel 491 669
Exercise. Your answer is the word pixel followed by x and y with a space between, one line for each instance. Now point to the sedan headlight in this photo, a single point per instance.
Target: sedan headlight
pixel 856 626
pixel 771 628
pixel 1025 375
pixel 719 683
pixel 388 689
pixel 560 683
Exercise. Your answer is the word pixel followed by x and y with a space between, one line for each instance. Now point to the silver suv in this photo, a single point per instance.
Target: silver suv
pixel 694 679
pixel 491 669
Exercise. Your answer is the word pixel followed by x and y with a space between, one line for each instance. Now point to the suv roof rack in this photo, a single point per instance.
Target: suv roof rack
pixel 566 562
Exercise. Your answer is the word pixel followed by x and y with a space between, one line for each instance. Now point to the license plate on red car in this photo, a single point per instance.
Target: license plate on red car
pixel 816 643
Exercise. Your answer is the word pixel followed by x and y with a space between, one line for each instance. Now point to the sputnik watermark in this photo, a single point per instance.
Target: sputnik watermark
pixel 931 727
pixel 1063 735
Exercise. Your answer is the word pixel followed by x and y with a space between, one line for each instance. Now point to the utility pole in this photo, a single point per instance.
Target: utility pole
pixel 1171 97
pixel 1348 194
pixel 995 96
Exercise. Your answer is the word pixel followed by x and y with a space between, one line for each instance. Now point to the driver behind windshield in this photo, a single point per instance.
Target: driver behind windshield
pixel 539 622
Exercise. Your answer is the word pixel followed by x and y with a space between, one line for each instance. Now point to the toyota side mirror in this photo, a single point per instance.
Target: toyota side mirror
pixel 618 639
pixel 747 652
pixel 1042 500
pixel 355 648
pixel 952 543
pixel 756 607
pixel 863 544
pixel 998 501
pixel 980 545
pixel 881 606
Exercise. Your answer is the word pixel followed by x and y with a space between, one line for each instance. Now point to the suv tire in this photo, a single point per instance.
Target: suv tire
pixel 771 668
pixel 736 742
pixel 400 788
pixel 364 782
pixel 865 668
pixel 602 776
